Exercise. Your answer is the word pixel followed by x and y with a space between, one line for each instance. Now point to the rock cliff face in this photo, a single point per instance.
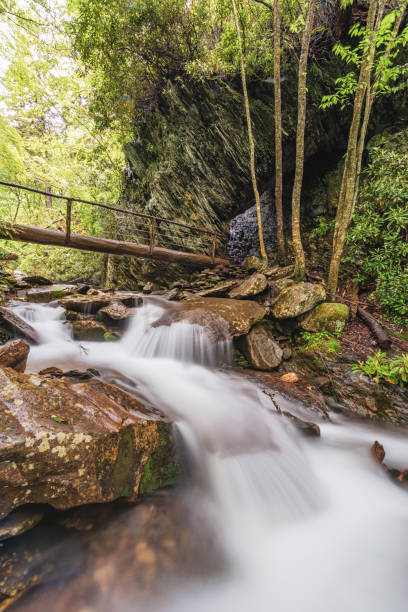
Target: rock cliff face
pixel 189 159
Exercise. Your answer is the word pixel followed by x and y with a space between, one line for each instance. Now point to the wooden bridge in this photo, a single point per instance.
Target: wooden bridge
pixel 155 229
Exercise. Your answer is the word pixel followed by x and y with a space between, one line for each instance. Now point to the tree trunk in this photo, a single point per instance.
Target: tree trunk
pixel 250 137
pixel 349 180
pixel 300 144
pixel 278 131
pixel 371 94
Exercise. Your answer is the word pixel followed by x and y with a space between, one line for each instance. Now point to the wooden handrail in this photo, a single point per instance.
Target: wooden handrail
pixel 108 207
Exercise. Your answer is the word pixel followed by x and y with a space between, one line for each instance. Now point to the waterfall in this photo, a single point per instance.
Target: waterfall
pixel 305 525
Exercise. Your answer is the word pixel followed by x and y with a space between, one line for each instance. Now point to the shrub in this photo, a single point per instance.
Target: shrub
pixel 380 367
pixel 378 237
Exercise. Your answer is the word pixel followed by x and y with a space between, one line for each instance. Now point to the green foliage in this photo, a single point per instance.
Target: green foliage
pixel 49 141
pixel 379 367
pixel 322 342
pixel 388 76
pixel 377 240
pixel 323 226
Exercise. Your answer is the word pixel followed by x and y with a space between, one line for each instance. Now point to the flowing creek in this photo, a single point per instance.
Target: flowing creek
pixel 271 520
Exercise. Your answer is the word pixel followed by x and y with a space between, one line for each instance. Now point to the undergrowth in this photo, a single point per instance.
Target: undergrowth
pixel 322 342
pixel 379 368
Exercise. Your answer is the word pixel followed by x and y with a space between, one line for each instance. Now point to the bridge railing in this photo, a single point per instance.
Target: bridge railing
pixel 69 214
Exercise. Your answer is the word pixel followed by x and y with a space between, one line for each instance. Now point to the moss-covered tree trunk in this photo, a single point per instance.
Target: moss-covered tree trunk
pixel 351 166
pixel 250 136
pixel 300 143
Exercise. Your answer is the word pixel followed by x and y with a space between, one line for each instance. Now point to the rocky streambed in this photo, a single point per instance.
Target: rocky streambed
pixel 97 387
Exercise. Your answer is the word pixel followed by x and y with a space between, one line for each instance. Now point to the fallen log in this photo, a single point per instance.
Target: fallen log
pixel 382 339
pixel 38 235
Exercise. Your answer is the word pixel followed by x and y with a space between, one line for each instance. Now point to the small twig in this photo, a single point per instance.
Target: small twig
pixel 272 397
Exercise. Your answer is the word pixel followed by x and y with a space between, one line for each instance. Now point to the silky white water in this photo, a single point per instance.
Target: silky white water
pixel 305 525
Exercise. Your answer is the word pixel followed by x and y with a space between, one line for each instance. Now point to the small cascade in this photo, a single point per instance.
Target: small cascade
pixel 304 525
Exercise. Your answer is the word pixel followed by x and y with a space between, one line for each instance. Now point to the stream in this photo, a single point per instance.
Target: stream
pixel 274 520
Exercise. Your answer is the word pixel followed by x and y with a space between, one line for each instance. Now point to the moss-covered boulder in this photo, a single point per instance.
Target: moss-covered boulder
pixel 89 330
pixel 297 300
pixel 251 286
pixel 331 316
pixel 260 349
pixel 68 444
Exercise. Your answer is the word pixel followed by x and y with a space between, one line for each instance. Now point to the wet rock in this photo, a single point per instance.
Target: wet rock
pixel 51 372
pixel 149 287
pixel 255 284
pixel 280 284
pixel 172 295
pixel 279 272
pixel 68 444
pixel 19 522
pixel 290 377
pixel 74 375
pixel 87 304
pixel 48 294
pixel 219 290
pixel 37 280
pixel 331 316
pixel 88 330
pixel 333 405
pixel 260 349
pixel 287 353
pixel 378 452
pixel 305 427
pixel 116 311
pixel 82 289
pixel 297 300
pixel 354 394
pixel 16 324
pixel 14 355
pixel 128 298
pixel 222 316
pixel 322 382
pixel 71 315
pixel 252 263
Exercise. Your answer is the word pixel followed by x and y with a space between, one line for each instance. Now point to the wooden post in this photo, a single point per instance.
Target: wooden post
pixel 152 236
pixel 214 244
pixel 48 198
pixel 68 227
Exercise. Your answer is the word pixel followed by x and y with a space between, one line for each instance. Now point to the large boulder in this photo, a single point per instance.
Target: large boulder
pixel 222 317
pixel 14 355
pixel 331 316
pixel 68 444
pixel 261 349
pixel 88 304
pixel 297 300
pixel 251 286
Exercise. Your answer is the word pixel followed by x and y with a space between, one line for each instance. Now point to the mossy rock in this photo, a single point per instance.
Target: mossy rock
pixel 331 316
pixel 297 300
pixel 254 285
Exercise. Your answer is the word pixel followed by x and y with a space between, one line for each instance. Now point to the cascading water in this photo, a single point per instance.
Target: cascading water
pixel 304 525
